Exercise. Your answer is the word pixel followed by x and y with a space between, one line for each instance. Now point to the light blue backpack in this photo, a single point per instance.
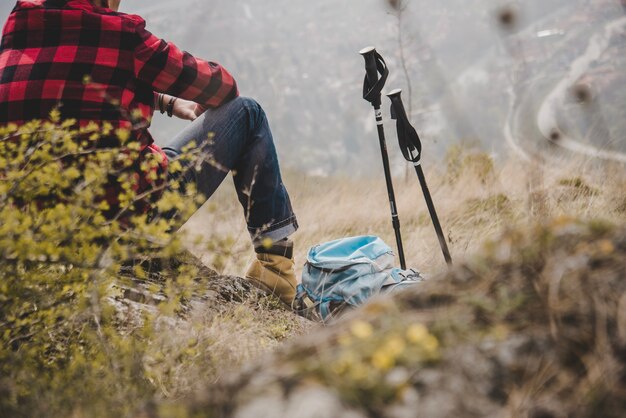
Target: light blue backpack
pixel 347 272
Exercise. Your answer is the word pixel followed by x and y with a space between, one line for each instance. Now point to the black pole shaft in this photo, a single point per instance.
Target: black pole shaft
pixel 395 219
pixel 372 87
pixel 411 148
pixel 433 213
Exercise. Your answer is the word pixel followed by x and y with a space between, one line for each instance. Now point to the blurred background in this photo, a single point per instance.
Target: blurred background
pixel 534 77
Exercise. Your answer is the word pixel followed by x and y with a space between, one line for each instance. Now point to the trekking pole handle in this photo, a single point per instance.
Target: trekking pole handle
pixel 408 139
pixel 396 103
pixel 376 73
pixel 393 94
pixel 369 54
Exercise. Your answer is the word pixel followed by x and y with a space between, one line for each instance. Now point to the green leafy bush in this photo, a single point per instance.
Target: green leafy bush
pixel 64 347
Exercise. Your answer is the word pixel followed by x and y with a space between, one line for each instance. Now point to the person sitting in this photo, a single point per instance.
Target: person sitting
pixel 51 47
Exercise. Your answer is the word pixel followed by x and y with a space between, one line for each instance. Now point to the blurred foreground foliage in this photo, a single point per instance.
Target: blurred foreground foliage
pixel 534 326
pixel 64 346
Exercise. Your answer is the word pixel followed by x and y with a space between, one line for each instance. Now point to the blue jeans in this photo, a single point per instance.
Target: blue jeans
pixel 237 137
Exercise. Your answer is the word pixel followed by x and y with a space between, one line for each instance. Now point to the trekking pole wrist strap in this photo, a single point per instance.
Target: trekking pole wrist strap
pixel 372 90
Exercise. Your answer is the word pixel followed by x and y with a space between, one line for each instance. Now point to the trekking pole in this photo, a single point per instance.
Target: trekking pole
pixel 372 87
pixel 411 147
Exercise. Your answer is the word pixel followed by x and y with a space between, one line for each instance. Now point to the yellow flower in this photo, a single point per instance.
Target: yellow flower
pixel 395 346
pixel 123 135
pixel 72 173
pixel 55 115
pixel 430 345
pixel 136 114
pixel 139 272
pixel 104 206
pixel 383 359
pixel 361 329
pixel 416 333
pixel 175 166
pixel 267 243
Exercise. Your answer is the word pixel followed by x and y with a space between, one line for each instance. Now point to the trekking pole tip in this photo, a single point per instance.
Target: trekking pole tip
pixel 367 50
pixel 394 93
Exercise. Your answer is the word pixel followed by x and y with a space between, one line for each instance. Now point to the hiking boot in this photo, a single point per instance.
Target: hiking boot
pixel 274 273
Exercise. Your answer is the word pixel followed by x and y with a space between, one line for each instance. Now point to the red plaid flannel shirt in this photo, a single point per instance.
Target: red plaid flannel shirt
pixel 97 65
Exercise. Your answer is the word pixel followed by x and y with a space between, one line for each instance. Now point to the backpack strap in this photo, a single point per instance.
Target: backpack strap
pixel 304 306
pixel 324 308
pixel 316 309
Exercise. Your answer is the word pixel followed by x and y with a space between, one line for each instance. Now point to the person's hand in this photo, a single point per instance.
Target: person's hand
pixel 184 109
pixel 199 110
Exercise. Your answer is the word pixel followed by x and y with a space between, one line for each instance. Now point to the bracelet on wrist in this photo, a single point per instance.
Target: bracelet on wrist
pixel 160 103
pixel 170 106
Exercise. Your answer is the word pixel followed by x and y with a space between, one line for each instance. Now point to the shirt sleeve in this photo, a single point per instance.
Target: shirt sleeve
pixel 177 73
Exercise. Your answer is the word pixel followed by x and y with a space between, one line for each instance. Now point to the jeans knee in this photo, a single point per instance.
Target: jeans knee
pixel 171 153
pixel 252 109
pixel 248 104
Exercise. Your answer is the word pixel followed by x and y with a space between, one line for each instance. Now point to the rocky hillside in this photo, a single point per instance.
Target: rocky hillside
pixel 535 327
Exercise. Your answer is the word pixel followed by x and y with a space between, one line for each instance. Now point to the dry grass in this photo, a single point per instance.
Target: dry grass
pixel 475 198
pixel 200 350
pixel 478 202
pixel 532 327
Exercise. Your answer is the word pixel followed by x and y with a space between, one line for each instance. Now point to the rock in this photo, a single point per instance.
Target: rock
pixel 304 402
